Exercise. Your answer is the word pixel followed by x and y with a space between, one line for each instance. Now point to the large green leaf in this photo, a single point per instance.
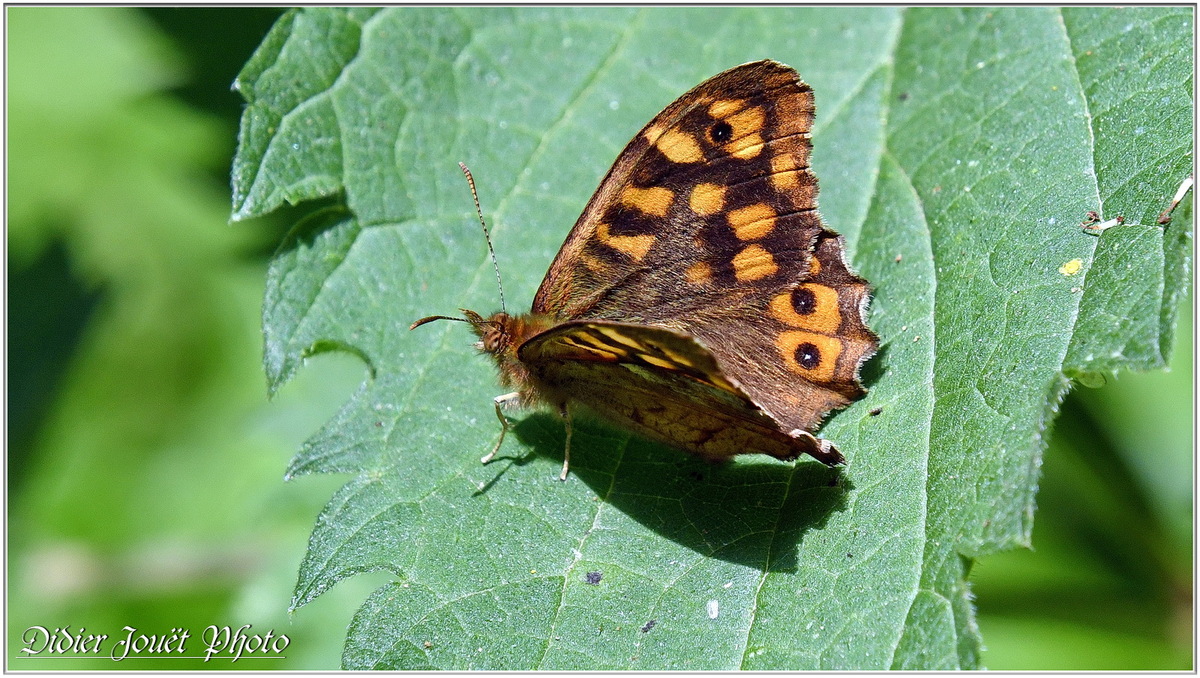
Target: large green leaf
pixel 958 151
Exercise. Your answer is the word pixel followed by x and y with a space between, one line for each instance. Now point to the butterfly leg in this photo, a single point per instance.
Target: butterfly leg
pixel 501 402
pixel 566 415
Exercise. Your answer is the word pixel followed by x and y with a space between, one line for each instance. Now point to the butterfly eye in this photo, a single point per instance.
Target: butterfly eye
pixel 493 340
pixel 808 355
pixel 721 132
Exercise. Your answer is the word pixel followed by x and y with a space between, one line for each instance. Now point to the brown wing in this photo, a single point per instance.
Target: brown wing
pixel 798 349
pixel 707 225
pixel 655 240
pixel 663 385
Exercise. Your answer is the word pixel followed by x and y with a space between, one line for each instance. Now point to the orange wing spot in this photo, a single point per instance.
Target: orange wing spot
pixel 593 264
pixel 652 133
pixel 752 222
pixel 748 121
pixel 784 173
pixel 655 200
pixel 746 141
pixel 679 147
pixel 635 246
pixel 812 356
pixel 753 263
pixel 707 199
pixel 724 108
pixel 747 147
pixel 814 266
pixel 813 307
pixel 699 273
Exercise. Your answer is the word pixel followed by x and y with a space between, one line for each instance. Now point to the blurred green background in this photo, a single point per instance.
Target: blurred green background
pixel 145 464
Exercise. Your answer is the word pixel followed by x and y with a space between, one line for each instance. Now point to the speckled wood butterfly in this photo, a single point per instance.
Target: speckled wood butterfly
pixel 699 300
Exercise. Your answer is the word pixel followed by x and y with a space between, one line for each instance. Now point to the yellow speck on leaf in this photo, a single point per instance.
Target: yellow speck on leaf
pixel 1071 267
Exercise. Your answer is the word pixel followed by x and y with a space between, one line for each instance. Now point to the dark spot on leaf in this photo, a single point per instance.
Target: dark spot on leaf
pixel 903 96
pixel 649 625
pixel 592 578
pixel 876 412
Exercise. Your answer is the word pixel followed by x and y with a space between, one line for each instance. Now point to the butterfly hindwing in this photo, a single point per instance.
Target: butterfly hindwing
pixel 663 385
pixel 612 342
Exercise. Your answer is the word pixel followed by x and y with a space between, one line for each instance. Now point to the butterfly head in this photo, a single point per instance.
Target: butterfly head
pixel 500 335
pixel 495 332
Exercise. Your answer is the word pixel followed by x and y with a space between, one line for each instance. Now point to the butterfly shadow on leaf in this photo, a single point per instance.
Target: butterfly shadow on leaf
pixel 754 511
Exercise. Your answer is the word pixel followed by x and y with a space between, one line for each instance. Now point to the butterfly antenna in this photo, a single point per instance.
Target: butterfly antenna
pixel 431 318
pixel 486 236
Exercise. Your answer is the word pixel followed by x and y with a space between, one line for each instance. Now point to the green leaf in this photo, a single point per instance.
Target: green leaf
pixel 958 151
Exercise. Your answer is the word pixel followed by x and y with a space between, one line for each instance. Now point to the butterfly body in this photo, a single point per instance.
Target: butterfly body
pixel 699 300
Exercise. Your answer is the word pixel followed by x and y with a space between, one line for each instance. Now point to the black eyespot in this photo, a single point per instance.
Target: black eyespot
pixel 808 356
pixel 721 132
pixel 804 301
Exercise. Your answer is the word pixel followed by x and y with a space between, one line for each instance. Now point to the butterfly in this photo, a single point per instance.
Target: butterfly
pixel 699 300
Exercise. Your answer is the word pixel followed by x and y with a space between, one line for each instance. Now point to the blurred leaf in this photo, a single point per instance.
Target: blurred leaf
pixel 143 499
pixel 79 144
pixel 1113 538
pixel 1051 645
pixel 115 182
pixel 1149 439
pixel 958 152
pixel 49 309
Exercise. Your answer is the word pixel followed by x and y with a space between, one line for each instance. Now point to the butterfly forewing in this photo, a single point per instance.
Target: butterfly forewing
pixel 714 191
